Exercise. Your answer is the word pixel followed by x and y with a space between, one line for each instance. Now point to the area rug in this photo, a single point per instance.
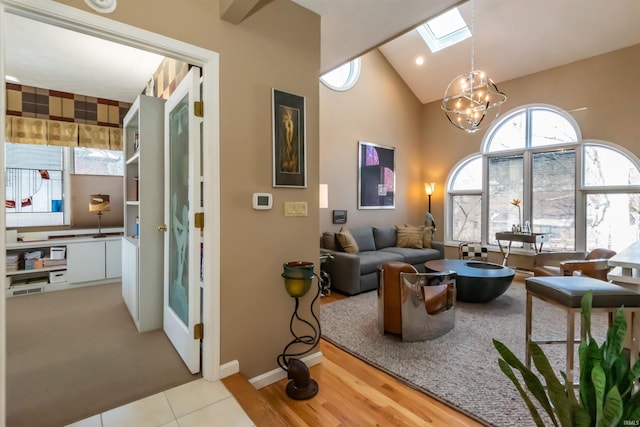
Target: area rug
pixel 460 368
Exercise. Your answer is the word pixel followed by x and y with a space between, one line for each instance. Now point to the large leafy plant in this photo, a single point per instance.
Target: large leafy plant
pixel 607 392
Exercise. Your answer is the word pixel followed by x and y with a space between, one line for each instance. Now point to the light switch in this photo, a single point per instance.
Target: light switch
pixel 295 208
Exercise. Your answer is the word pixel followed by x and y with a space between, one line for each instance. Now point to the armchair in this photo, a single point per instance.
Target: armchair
pixel 593 264
pixel 416 306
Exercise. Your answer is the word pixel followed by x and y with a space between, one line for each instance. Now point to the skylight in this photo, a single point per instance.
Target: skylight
pixel 444 30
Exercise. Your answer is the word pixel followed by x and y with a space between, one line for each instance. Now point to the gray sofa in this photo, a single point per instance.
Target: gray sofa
pixel 353 273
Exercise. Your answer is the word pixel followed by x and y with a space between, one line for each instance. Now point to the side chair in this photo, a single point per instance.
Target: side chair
pixel 592 264
pixel 475 251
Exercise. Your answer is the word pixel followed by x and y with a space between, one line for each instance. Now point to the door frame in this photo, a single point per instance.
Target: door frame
pixel 77 20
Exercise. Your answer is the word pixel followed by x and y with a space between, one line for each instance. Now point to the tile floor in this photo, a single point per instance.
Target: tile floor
pixel 195 404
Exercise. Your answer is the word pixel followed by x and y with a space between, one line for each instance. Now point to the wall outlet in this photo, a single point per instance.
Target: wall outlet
pixel 295 208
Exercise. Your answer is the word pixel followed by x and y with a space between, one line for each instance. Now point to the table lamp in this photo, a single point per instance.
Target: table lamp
pixel 99 203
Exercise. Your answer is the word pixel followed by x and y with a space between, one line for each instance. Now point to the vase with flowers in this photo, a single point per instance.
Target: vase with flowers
pixel 516 203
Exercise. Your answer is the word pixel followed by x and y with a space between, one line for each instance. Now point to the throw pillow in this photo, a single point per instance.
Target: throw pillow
pixel 427 235
pixel 409 237
pixel 348 243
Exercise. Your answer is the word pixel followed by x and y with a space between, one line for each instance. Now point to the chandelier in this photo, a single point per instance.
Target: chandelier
pixel 472 101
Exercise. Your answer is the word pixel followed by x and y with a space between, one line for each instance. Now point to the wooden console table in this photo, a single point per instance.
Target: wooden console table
pixel 537 239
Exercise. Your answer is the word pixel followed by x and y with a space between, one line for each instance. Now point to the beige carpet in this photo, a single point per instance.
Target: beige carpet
pixel 75 353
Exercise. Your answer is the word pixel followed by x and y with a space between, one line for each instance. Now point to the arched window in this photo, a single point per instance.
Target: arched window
pixel 584 194
pixel 343 77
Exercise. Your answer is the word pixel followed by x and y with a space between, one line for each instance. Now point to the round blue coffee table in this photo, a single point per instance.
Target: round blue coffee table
pixel 477 281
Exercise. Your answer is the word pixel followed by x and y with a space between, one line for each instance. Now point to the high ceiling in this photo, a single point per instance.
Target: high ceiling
pixel 513 38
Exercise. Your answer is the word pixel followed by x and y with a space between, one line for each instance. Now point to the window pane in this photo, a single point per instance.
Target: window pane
pixel 505 184
pixel 510 134
pixel 447 23
pixel 33 185
pixel 31 156
pixel 343 77
pixel 95 161
pixel 549 127
pixel 467 222
pixel 553 203
pixel 469 176
pixel 33 197
pixel 605 166
pixel 613 220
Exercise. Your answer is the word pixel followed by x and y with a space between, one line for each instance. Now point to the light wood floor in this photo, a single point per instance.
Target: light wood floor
pixel 351 393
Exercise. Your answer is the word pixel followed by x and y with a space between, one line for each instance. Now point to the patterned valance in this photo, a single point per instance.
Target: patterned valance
pixel 115 139
pixel 27 130
pixel 92 136
pixel 7 126
pixel 63 134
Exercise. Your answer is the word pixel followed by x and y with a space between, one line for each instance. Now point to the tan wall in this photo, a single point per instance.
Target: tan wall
pixel 606 85
pixel 379 109
pixel 279 46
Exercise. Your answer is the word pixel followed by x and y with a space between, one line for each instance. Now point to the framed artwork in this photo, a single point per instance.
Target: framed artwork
pixel 376 176
pixel 289 140
pixel 340 217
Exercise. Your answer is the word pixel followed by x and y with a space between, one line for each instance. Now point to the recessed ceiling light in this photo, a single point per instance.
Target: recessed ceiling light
pixel 419 60
pixel 11 79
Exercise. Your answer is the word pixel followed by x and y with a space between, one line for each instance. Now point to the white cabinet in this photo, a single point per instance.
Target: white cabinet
pixel 94 260
pixel 143 245
pixel 113 259
pixel 130 277
pixel 86 261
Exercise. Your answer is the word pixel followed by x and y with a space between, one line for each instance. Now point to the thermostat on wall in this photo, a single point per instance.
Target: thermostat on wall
pixel 262 201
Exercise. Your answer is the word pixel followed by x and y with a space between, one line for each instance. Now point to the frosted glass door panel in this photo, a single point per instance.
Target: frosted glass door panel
pixel 179 208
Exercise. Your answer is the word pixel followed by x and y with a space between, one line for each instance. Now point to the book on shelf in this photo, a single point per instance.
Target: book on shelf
pixel 48 262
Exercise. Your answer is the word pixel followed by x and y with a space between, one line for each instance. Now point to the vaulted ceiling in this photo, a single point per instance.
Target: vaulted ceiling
pixel 512 38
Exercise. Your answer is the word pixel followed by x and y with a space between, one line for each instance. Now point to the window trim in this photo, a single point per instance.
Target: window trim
pixel 497 125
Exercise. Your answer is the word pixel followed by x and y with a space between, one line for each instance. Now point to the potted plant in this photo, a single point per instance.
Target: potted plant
pixel 607 391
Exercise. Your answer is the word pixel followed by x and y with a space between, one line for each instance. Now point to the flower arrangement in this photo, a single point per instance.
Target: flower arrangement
pixel 516 203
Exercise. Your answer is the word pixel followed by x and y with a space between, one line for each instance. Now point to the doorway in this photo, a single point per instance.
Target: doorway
pixel 71 18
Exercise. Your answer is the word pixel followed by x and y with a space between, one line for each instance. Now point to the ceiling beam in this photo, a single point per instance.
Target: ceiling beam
pixel 236 11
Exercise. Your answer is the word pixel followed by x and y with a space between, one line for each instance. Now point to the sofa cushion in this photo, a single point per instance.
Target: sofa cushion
pixel 364 237
pixel 427 234
pixel 329 240
pixel 370 260
pixel 414 256
pixel 384 237
pixel 409 237
pixel 347 241
pixel 427 237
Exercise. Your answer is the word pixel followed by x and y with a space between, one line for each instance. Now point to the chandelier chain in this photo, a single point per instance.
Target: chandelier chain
pixel 473 34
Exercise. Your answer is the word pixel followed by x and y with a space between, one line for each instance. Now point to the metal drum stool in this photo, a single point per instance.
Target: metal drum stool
pixel 416 306
pixel 566 292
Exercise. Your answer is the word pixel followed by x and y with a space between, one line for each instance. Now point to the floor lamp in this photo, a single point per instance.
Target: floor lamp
pixel 429 188
pixel 99 203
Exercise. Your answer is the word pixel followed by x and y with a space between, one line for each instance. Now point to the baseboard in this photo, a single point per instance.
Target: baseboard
pixel 229 369
pixel 277 374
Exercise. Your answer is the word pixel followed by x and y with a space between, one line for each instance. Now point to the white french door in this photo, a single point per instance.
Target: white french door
pixel 182 298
